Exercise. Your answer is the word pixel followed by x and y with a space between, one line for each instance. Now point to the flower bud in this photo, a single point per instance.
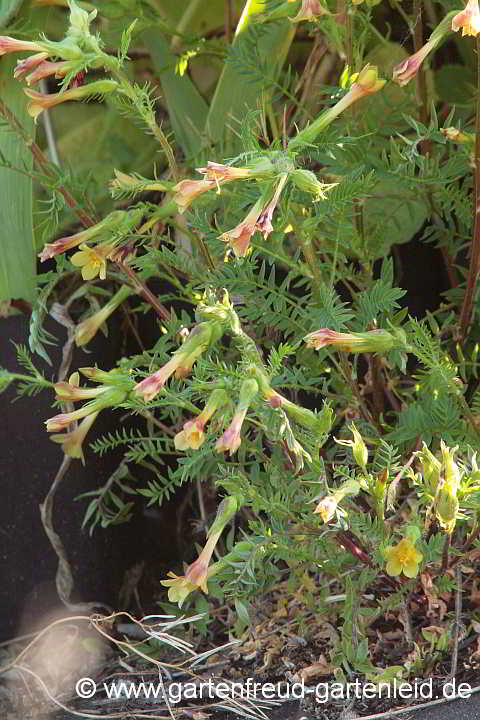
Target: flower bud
pixel 431 468
pixel 307 181
pixel 446 508
pixel 231 439
pixel 372 341
pixel 359 449
pixel 87 329
pixel 42 101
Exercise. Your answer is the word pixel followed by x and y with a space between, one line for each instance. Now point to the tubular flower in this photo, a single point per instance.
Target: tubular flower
pixel 87 329
pixel 72 442
pixel 366 83
pixel 187 190
pixel 151 386
pixel 318 422
pixel 403 557
pixel 64 244
pixel 192 435
pixel 25 66
pixel 260 166
pixel 372 341
pixel 10 45
pixel 71 392
pixel 47 69
pixel 197 574
pixel 310 10
pixel 264 222
pixel 468 19
pixel 115 220
pixel 110 396
pixel 407 69
pixel 199 340
pixel 42 101
pixel 231 439
pixel 93 261
pixel 239 237
pixel 217 171
pixel 123 182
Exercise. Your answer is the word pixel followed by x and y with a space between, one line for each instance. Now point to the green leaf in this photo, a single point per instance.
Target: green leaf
pixel 17 259
pixel 392 217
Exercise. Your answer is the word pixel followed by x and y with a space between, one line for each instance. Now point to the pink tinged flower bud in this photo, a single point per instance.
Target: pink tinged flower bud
pixel 10 45
pixel 216 171
pixel 264 222
pixel 151 386
pixel 201 337
pixel 310 10
pixel 274 399
pixel 28 64
pixel 72 441
pixel 231 439
pixel 468 19
pixel 88 328
pixel 372 341
pixel 47 69
pixel 406 70
pixel 43 101
pixel 197 572
pixel 239 237
pixel 187 190
pixel 63 244
pixel 368 81
pixel 63 420
pixel 67 392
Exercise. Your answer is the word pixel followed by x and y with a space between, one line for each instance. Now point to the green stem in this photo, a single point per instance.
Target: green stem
pixel 417 44
pixel 146 113
pixel 466 312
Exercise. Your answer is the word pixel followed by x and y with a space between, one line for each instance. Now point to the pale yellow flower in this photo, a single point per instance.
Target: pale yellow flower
pixel 192 436
pixel 403 557
pixel 92 260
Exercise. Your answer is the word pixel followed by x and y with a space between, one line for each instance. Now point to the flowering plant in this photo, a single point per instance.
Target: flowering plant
pixel 267 235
